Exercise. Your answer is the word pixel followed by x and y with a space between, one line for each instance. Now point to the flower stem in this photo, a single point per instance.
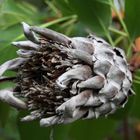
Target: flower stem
pixel 126 129
pixel 52 134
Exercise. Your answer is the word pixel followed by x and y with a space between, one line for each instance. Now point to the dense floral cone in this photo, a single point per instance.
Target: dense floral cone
pixel 61 79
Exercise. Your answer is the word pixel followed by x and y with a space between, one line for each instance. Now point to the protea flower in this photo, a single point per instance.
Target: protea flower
pixel 61 79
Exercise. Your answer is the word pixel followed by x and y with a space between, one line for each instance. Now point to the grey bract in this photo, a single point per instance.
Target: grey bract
pixel 61 79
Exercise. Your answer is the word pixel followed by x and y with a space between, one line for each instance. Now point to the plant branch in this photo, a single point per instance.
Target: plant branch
pixel 118 40
pixel 119 16
pixel 118 32
pixel 125 129
pixel 52 134
pixel 106 33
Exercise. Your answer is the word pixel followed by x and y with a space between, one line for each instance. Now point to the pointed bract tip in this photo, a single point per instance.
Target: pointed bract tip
pixel 23 119
pixel 25 24
pixel 28 118
pixel 44 123
pixel 102 99
pixel 14 43
pixel 26 28
pixel 132 92
pixel 97 114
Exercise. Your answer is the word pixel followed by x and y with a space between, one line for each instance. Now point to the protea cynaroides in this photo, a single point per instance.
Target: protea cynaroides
pixel 61 79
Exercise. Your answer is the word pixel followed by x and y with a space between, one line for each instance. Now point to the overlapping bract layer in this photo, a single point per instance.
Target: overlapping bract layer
pixel 64 79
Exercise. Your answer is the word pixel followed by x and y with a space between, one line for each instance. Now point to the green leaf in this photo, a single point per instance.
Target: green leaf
pixel 61 132
pixel 10 129
pixel 135 108
pixel 96 129
pixel 32 130
pixel 96 14
pixel 4 112
pixel 79 130
pixel 132 11
pixel 13 12
pixel 7 35
pixel 64 6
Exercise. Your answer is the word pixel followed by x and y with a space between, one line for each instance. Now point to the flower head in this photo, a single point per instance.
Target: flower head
pixel 61 79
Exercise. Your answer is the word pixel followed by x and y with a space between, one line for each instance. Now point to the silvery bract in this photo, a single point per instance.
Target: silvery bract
pixel 61 79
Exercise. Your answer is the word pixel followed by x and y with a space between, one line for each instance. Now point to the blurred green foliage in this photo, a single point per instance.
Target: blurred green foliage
pixel 73 18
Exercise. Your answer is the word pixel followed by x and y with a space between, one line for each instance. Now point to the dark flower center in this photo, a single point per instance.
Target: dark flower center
pixel 36 80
